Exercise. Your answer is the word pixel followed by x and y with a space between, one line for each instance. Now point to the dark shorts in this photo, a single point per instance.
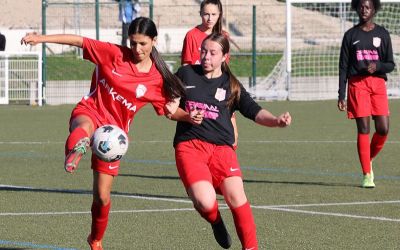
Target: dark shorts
pixel 367 96
pixel 198 160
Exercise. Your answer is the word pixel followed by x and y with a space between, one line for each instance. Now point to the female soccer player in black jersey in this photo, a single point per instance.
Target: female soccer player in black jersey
pixel 366 56
pixel 205 159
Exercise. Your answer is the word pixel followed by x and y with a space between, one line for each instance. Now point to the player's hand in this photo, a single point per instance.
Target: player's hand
pixel 196 116
pixel 284 120
pixel 30 38
pixel 341 105
pixel 371 68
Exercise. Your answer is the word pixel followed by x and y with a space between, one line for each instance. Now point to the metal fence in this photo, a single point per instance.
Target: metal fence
pixel 21 78
pixel 256 31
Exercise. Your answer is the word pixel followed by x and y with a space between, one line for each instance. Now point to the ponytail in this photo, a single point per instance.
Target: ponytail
pixel 173 86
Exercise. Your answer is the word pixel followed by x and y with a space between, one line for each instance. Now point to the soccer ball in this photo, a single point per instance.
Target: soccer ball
pixel 109 143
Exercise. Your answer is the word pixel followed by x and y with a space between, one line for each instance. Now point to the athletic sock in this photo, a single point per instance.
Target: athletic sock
pixel 363 147
pixel 73 138
pixel 212 215
pixel 99 220
pixel 245 226
pixel 377 143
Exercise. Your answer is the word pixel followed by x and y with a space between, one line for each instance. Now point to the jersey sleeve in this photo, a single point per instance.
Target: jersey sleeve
pixel 343 66
pixel 98 52
pixel 160 101
pixel 386 65
pixel 186 56
pixel 247 106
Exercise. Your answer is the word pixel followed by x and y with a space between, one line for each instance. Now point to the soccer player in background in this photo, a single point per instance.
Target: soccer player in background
pixel 124 80
pixel 205 159
pixel 211 14
pixel 366 56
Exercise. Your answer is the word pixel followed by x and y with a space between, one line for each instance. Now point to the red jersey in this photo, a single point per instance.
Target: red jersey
pixel 192 46
pixel 191 49
pixel 117 89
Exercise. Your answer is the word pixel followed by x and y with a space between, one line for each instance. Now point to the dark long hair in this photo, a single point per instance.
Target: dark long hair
pixel 218 26
pixel 172 86
pixel 234 83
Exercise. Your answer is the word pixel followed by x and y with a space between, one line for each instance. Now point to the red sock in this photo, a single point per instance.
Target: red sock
pixel 245 226
pixel 73 138
pixel 377 143
pixel 99 220
pixel 212 215
pixel 363 148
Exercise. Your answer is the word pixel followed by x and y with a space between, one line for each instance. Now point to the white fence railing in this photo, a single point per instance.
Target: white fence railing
pixel 21 78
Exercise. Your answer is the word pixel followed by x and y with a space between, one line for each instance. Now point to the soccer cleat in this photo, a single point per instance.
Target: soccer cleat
pixel 75 155
pixel 94 244
pixel 368 181
pixel 221 234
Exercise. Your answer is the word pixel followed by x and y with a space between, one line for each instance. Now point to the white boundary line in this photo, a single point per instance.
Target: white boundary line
pixel 282 208
pixel 170 141
pixel 335 214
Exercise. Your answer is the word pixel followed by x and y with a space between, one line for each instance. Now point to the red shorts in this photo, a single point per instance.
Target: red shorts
pixel 367 96
pixel 98 165
pixel 197 160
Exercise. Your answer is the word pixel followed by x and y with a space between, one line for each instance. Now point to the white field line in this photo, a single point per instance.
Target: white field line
pixel 330 204
pixel 285 208
pixel 170 141
pixel 335 214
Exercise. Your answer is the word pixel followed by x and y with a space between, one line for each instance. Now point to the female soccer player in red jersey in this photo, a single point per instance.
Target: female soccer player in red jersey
pixel 211 13
pixel 205 159
pixel 366 56
pixel 211 22
pixel 125 79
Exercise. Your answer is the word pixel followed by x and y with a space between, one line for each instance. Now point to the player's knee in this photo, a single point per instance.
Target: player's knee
pixel 102 199
pixel 204 205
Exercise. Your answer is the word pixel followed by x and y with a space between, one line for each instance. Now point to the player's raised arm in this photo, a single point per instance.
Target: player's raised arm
pixel 68 39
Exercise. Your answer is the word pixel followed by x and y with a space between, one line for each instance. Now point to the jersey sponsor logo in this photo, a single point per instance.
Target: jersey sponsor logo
pixel 117 97
pixel 220 94
pixel 115 73
pixel 112 167
pixel 234 169
pixel 210 111
pixel 367 54
pixel 376 41
pixel 356 42
pixel 140 90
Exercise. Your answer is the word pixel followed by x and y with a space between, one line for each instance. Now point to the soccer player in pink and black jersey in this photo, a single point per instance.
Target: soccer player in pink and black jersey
pixel 211 13
pixel 124 80
pixel 366 56
pixel 205 159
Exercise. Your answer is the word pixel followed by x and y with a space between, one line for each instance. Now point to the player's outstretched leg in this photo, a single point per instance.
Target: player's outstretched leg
pixel 221 234
pixel 75 155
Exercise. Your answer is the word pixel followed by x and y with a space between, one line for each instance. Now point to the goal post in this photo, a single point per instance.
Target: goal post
pixel 314 32
pixel 21 78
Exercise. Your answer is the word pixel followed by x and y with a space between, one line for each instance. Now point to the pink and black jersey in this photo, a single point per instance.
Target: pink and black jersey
pixel 117 89
pixel 359 48
pixel 211 97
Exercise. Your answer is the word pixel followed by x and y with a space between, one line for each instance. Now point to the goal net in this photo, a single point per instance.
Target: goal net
pixel 315 29
pixel 21 78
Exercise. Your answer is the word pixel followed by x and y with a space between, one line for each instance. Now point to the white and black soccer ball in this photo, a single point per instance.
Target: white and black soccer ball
pixel 109 143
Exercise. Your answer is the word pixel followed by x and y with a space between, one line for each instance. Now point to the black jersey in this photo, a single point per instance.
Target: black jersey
pixel 359 48
pixel 211 96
